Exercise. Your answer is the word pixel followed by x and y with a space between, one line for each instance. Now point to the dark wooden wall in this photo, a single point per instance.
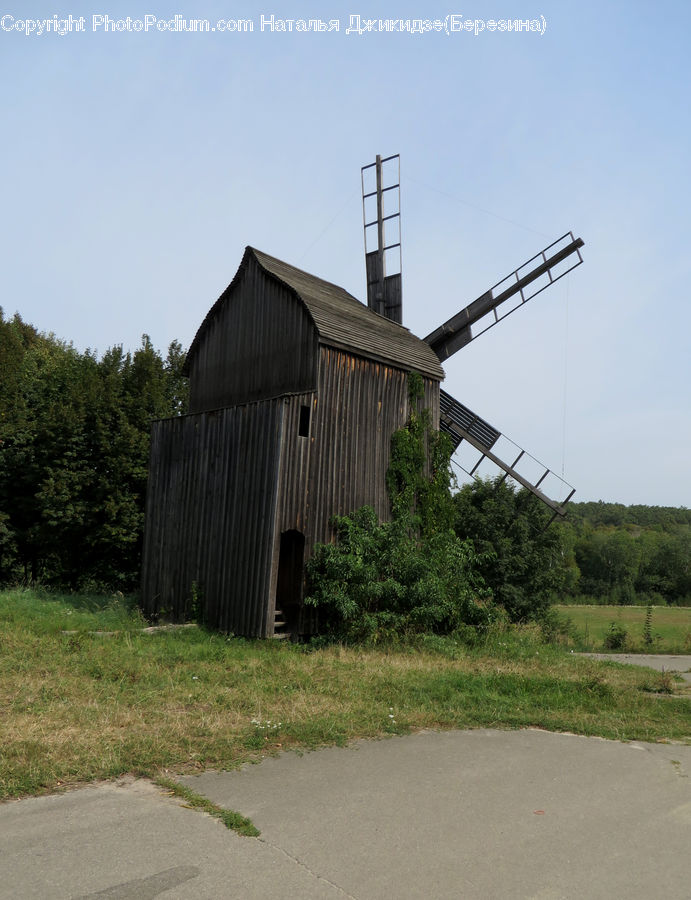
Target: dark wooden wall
pixel 211 508
pixel 358 406
pixel 342 465
pixel 259 342
pixel 225 485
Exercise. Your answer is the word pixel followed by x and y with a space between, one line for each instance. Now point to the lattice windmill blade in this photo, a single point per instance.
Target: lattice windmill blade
pixel 381 213
pixel 461 424
pixel 381 209
pixel 524 283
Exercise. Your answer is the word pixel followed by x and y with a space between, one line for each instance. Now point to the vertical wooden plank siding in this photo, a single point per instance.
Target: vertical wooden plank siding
pixel 225 484
pixel 342 465
pixel 211 507
pixel 261 343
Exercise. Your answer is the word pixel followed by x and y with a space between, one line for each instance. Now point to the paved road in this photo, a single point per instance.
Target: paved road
pixel 680 664
pixel 478 814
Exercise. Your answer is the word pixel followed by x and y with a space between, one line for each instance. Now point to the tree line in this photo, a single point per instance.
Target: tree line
pixel 627 554
pixel 74 449
pixel 74 455
pixel 601 553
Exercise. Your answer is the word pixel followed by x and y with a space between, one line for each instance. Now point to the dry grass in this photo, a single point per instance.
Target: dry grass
pixel 74 708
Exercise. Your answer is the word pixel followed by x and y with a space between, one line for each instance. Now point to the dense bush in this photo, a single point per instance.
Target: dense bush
pixel 523 562
pixel 617 637
pixel 386 580
pixel 412 574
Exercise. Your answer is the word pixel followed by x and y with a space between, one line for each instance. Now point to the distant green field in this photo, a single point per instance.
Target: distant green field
pixel 670 627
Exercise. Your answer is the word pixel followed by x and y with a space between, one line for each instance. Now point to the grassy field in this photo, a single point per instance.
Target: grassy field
pixel 79 706
pixel 670 627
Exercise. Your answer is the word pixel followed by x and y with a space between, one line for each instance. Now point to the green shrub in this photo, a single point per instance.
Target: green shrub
pixel 557 628
pixel 412 574
pixel 616 638
pixel 523 560
pixel 648 627
pixel 382 581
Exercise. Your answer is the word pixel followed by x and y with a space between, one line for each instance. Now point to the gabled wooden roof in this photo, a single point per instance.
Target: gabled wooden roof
pixel 340 319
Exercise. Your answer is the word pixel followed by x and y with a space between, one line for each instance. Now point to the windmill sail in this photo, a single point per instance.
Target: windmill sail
pixel 522 284
pixel 461 424
pixel 381 211
pixel 381 214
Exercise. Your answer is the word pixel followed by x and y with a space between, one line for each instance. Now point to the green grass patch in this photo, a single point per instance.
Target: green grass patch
pixel 230 819
pixel 78 707
pixel 47 612
pixel 670 627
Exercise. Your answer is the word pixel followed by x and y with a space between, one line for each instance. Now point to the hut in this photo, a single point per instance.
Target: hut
pixel 295 390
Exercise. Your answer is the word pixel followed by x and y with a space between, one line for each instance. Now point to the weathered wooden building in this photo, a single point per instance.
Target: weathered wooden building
pixel 295 390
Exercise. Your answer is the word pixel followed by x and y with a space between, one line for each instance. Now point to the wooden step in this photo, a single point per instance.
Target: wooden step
pixel 280 625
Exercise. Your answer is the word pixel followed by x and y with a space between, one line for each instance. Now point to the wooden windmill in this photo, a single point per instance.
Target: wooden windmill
pixel 296 388
pixel 384 295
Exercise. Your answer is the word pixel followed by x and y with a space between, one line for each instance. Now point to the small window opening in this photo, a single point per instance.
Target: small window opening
pixel 304 426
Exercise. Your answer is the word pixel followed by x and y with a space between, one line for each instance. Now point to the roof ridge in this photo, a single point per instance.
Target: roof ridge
pixel 260 253
pixel 340 319
pixel 331 284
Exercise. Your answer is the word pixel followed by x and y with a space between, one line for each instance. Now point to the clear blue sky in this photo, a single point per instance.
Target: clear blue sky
pixel 137 166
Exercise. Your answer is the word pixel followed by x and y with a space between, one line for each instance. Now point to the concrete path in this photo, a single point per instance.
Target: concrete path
pixel 129 841
pixel 662 663
pixel 477 814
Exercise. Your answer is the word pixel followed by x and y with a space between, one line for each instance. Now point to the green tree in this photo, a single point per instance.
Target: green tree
pixel 608 559
pixel 522 561
pixel 665 565
pixel 74 455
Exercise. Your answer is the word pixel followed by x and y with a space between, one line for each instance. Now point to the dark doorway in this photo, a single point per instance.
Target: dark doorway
pixel 289 583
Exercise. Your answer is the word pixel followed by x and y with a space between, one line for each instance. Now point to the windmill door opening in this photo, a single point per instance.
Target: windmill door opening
pixel 290 579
